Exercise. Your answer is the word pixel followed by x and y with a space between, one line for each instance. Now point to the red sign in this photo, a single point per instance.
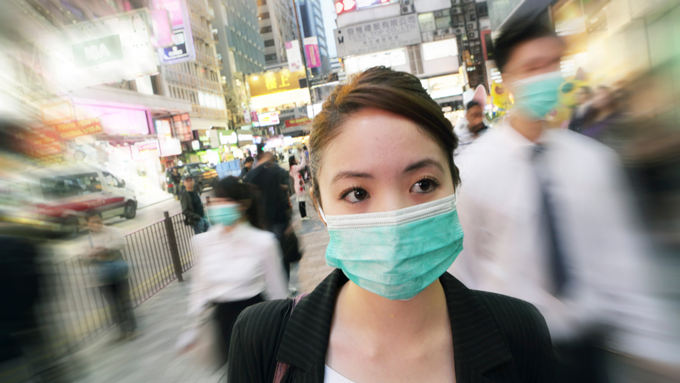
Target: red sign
pixel 298 122
pixel 41 142
pixel 79 128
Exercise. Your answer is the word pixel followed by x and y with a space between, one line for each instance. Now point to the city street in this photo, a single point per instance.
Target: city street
pixel 152 356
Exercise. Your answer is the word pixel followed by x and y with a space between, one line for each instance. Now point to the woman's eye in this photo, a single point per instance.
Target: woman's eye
pixel 424 186
pixel 355 195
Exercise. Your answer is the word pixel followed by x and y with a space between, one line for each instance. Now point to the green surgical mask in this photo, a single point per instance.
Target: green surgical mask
pixel 396 254
pixel 536 96
pixel 225 215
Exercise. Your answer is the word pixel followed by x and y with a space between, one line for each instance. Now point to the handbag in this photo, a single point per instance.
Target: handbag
pixel 206 350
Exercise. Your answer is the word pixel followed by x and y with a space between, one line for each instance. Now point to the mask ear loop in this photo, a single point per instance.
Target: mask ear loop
pixel 316 205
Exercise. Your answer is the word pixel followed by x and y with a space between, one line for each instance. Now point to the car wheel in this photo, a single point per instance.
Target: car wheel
pixel 70 226
pixel 130 210
pixel 199 188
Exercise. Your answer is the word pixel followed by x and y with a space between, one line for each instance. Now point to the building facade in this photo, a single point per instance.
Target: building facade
pixel 240 48
pixel 311 25
pixel 277 26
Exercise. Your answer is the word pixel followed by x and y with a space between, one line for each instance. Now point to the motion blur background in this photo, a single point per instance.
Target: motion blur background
pixel 100 99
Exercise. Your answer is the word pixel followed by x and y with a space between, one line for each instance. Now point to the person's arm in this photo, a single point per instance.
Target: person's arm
pixel 275 281
pixel 301 165
pixel 188 208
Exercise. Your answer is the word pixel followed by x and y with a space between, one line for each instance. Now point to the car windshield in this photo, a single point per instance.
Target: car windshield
pixel 70 186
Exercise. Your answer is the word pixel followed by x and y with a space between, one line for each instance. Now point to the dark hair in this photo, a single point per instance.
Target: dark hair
pixel 381 88
pixel 230 187
pixel 91 214
pixel 292 161
pixel 304 147
pixel 516 34
pixel 472 104
pixel 262 155
pixel 249 159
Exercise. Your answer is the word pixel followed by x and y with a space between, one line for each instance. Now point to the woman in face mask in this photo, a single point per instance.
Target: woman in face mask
pixel 237 264
pixel 384 183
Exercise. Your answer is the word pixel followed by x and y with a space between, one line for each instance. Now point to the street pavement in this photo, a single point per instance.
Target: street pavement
pixel 152 356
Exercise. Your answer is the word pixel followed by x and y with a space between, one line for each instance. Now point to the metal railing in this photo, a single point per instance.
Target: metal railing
pixel 157 255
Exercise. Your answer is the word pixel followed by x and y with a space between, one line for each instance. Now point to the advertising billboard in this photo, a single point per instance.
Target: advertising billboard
pixel 182 48
pixel 271 118
pixel 376 36
pixel 110 49
pixel 312 52
pixel 293 53
pixel 272 82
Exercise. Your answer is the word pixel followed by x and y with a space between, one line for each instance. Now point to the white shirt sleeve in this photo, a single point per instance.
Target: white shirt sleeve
pixel 275 280
pixel 114 239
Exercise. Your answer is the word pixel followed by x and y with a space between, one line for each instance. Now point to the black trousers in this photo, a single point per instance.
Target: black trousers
pixel 118 296
pixel 226 314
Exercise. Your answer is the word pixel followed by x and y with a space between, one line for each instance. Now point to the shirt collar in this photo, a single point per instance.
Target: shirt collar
pixel 472 325
pixel 519 144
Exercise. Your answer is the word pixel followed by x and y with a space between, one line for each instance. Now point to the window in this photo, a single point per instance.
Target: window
pixel 111 180
pixel 482 10
pixel 270 57
pixel 266 29
pixel 261 2
pixel 264 16
pixel 269 43
pixel 70 186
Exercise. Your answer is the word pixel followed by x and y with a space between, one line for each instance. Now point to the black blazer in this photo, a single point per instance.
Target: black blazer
pixel 495 338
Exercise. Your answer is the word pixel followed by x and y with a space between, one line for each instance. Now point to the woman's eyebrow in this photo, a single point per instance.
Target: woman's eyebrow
pixel 350 174
pixel 428 162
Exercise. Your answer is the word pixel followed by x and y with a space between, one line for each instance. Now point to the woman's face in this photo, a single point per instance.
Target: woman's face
pixel 381 162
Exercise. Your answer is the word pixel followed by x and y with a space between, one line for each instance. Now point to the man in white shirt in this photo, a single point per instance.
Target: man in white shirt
pixel 546 220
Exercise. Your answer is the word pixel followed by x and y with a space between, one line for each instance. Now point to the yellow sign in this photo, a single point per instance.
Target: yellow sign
pixel 272 82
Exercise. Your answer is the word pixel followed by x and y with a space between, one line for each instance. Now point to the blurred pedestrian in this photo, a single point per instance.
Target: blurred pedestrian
pixel 299 184
pixel 584 96
pixel 111 269
pixel 604 113
pixel 473 128
pixel 390 312
pixel 272 182
pixel 237 263
pixel 247 165
pixel 176 179
pixel 192 207
pixel 545 217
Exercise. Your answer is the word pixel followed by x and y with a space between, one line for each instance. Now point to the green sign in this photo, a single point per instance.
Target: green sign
pixel 99 51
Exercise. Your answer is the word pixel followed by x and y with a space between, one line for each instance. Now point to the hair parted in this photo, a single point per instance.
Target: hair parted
pixel 381 88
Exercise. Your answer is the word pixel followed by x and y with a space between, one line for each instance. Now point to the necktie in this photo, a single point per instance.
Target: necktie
pixel 555 249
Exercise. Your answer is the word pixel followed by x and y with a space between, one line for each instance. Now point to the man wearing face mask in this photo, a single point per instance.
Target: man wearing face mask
pixel 545 218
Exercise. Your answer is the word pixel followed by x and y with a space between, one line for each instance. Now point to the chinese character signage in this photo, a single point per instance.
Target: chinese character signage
pixel 297 122
pixel 377 36
pixel 272 82
pixel 40 142
pixel 293 53
pixel 312 52
pixel 182 126
pixel 78 128
pixel 97 51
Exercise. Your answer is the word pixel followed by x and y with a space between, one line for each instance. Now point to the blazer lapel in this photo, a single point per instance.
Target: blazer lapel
pixel 305 340
pixel 478 345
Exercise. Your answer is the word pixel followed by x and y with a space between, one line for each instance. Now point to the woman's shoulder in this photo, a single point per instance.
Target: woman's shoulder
pixel 521 324
pixel 260 236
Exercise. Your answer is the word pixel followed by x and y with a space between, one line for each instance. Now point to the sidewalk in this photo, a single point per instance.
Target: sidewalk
pixel 152 357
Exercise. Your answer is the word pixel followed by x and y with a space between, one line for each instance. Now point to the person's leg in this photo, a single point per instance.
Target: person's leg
pixel 110 294
pixel 124 302
pixel 293 280
pixel 226 314
pixel 302 205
